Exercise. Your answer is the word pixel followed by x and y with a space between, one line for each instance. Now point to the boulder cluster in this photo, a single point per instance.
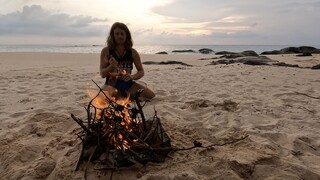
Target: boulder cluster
pixel 301 50
pixel 248 57
pixel 252 58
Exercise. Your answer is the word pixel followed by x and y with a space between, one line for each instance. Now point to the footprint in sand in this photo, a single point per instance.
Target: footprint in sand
pixel 201 103
pixel 26 153
pixel 32 128
pixel 79 93
pixel 50 100
pixel 61 87
pixel 25 100
pixel 63 92
pixel 82 97
pixel 205 170
pixel 160 93
pixel 223 95
pixel 41 168
pixel 228 105
pixel 305 144
pixel 18 114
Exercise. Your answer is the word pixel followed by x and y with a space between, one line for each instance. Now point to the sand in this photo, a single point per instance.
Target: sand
pixel 277 107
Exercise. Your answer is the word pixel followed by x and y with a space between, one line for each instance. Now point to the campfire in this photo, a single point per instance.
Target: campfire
pixel 117 133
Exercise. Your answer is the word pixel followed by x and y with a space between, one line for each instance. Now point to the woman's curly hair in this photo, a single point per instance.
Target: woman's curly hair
pixel 111 41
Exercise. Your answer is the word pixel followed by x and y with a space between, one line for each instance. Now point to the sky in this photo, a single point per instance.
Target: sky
pixel 194 22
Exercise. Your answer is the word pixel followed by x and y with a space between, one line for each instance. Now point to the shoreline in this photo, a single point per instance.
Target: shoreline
pixel 91 59
pixel 145 49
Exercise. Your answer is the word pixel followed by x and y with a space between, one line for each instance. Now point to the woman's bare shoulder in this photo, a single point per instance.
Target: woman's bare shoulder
pixel 105 50
pixel 134 52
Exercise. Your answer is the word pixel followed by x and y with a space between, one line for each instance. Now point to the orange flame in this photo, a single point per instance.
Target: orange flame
pixel 100 102
pixel 123 71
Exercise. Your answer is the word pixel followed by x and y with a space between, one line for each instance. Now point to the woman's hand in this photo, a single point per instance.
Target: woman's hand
pixel 127 77
pixel 114 62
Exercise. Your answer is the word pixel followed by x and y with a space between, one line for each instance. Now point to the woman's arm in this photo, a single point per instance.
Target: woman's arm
pixel 138 64
pixel 105 66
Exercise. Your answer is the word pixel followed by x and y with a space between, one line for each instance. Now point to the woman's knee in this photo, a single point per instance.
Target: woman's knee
pixel 147 93
pixel 151 94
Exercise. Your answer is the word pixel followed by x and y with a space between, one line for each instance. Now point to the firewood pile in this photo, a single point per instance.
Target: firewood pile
pixel 117 133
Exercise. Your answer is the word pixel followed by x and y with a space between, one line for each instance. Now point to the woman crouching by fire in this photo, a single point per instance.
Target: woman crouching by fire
pixel 116 63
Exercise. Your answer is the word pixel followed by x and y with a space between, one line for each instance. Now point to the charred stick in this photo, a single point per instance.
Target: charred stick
pixel 161 129
pixel 217 144
pixel 111 174
pixel 143 147
pixel 90 157
pixel 93 115
pixel 101 90
pixel 80 157
pixel 100 122
pixel 135 162
pixel 108 132
pixel 105 168
pixel 147 145
pixel 152 129
pixel 230 142
pixel 136 98
pixel 116 134
pixel 107 153
pixel 133 152
pixel 80 122
pixel 127 137
pixel 88 115
pixel 88 111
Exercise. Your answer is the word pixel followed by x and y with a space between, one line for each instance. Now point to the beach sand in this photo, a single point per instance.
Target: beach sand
pixel 277 107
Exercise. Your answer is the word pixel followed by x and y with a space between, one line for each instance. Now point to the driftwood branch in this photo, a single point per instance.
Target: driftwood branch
pixel 230 142
pixel 196 145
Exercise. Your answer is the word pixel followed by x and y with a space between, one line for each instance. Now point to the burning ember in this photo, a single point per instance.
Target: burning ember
pixel 117 133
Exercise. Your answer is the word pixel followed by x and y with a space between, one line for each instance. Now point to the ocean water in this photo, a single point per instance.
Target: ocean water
pixel 142 49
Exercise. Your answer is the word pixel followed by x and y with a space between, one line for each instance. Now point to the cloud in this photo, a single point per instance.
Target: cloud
pixel 206 17
pixel 306 6
pixel 266 22
pixel 141 32
pixel 175 22
pixel 34 20
pixel 204 10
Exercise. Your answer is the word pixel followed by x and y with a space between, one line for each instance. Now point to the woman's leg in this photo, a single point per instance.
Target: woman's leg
pixel 147 93
pixel 113 92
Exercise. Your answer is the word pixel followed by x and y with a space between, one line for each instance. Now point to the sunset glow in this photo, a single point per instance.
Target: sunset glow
pixel 160 21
